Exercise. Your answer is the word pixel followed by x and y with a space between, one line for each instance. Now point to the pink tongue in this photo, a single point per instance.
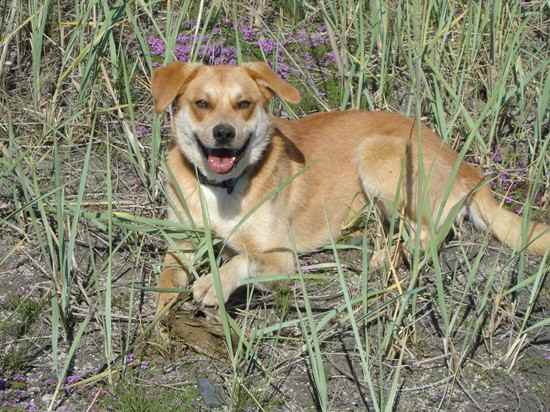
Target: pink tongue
pixel 221 165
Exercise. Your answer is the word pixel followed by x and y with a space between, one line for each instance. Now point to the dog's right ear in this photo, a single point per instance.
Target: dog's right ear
pixel 270 81
pixel 169 81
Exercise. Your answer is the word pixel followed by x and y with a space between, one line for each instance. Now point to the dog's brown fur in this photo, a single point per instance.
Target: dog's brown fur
pixel 346 155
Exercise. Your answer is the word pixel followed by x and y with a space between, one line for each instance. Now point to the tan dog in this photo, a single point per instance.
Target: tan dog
pixel 225 136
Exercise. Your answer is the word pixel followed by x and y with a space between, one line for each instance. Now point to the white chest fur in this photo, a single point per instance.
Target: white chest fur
pixel 225 210
pixel 241 221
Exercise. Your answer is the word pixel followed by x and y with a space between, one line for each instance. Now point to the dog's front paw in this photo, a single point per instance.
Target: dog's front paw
pixel 165 299
pixel 230 276
pixel 203 291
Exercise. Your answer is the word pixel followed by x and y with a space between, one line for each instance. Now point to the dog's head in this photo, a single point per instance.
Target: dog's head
pixel 220 119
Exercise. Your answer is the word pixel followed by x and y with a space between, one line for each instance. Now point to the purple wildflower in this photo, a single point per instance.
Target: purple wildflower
pixel 31 406
pixel 129 357
pixel 3 384
pixel 248 32
pixel 205 53
pixel 283 70
pixel 72 379
pixel 183 38
pixel 318 39
pixel 215 30
pixel 266 45
pixel 301 36
pixel 182 52
pixel 216 50
pixel 157 45
pixel 202 51
pixel 329 58
pixel 217 54
pixel 229 55
pixel 20 378
pixel 504 178
pixel 497 156
pixel 199 38
pixel 182 48
pixel 142 131
pixel 20 395
pixel 144 364
pixel 309 61
pixel 184 58
pixel 547 356
pixel 229 52
pixel 50 382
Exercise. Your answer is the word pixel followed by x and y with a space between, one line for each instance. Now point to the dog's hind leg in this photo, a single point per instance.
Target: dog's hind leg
pixel 389 174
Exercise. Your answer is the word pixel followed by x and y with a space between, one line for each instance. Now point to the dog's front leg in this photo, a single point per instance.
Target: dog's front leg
pixel 239 268
pixel 174 273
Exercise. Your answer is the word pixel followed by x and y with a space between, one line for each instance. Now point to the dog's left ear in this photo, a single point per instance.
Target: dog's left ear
pixel 266 78
pixel 169 81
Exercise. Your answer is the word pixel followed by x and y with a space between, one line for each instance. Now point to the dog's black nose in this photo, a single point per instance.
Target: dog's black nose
pixel 224 134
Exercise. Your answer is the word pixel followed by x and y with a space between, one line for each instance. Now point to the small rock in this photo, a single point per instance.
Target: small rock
pixel 210 394
pixel 47 398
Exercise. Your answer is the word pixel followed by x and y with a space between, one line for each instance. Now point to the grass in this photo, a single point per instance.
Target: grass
pixel 82 199
pixel 131 398
pixel 24 313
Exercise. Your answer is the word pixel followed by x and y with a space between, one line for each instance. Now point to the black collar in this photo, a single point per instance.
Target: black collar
pixel 228 184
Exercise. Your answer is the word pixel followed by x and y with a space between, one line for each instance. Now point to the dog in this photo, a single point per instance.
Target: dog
pixel 320 170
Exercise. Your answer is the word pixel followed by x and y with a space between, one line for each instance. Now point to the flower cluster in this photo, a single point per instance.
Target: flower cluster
pixel 248 32
pixel 311 43
pixel 211 52
pixel 157 46
pixel 281 68
pixel 129 360
pixel 72 379
pixel 514 183
pixel 266 45
pixel 142 131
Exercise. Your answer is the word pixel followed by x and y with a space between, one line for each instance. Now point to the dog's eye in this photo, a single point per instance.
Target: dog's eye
pixel 243 104
pixel 202 104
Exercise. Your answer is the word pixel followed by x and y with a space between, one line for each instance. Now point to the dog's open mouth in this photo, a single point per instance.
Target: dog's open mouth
pixel 222 160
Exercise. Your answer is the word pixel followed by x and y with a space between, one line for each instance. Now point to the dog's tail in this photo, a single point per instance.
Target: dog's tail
pixel 506 225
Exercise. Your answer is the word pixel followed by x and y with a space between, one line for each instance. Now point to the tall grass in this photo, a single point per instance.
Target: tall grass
pixel 84 183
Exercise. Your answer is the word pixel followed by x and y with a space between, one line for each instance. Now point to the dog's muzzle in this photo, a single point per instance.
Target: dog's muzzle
pixel 222 160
